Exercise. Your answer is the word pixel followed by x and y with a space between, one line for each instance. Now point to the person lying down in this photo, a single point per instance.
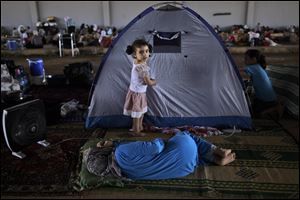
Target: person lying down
pixel 157 159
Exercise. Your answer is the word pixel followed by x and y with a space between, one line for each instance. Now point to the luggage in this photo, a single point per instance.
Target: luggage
pixel 58 80
pixel 67 41
pixel 79 74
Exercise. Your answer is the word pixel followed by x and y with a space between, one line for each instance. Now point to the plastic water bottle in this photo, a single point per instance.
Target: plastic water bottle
pixel 22 83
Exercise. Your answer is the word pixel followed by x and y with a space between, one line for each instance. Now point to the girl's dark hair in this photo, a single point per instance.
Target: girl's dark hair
pixel 260 58
pixel 137 44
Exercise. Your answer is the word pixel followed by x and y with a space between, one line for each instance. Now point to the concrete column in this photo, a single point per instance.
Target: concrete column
pixel 33 12
pixel 106 13
pixel 250 14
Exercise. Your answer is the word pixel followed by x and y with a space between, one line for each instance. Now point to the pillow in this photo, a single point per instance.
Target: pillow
pixel 84 179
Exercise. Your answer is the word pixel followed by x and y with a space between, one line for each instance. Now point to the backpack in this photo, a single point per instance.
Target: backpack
pixel 79 74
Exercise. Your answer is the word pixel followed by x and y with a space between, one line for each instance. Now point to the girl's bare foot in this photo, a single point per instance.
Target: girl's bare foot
pixel 137 134
pixel 222 152
pixel 224 161
pixel 132 130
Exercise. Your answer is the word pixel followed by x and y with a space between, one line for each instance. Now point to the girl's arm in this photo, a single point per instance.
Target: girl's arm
pixel 149 81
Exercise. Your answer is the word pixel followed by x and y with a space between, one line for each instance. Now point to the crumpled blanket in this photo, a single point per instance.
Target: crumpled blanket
pixel 201 131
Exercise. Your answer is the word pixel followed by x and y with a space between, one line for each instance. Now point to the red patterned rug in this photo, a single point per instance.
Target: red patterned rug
pixel 45 169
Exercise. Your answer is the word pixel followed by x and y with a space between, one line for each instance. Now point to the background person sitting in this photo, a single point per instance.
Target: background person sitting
pixel 253 38
pixel 265 96
pixel 106 39
pixel 15 32
pixel 23 35
pixel 36 40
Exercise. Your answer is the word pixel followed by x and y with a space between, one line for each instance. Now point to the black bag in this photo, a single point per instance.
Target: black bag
pixel 67 41
pixel 79 74
pixel 57 80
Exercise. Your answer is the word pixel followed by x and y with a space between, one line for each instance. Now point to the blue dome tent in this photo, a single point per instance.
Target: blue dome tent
pixel 198 82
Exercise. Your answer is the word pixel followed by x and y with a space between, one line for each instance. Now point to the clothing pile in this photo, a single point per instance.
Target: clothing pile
pixel 201 131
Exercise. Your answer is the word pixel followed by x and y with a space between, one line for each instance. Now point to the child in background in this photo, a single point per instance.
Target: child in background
pixel 136 101
pixel 265 96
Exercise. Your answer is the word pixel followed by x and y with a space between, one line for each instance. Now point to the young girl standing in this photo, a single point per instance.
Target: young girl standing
pixel 136 101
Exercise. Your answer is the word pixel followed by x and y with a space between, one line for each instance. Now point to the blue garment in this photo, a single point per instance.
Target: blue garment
pixel 261 83
pixel 157 159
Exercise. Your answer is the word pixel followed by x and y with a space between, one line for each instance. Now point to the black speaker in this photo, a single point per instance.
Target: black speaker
pixel 24 124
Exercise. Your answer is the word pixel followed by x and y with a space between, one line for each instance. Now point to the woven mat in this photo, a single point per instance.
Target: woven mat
pixel 267 166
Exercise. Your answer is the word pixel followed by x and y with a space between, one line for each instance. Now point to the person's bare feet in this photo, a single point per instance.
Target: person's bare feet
pixel 224 161
pixel 222 152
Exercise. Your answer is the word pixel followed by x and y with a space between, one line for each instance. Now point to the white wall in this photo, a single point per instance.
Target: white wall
pixel 277 13
pixel 120 13
pixel 206 9
pixel 89 12
pixel 15 13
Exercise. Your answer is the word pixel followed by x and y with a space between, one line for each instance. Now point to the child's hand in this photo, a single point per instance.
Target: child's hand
pixel 149 81
pixel 106 143
pixel 153 82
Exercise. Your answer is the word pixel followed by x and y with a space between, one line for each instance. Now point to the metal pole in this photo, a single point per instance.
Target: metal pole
pixel 59 44
pixel 72 45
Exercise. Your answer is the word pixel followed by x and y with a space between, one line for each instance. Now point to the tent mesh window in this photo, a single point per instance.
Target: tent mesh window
pixel 167 42
pixel 169 8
